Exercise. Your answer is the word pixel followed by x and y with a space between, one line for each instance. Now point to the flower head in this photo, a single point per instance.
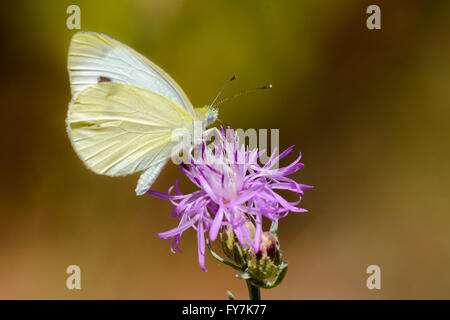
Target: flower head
pixel 233 190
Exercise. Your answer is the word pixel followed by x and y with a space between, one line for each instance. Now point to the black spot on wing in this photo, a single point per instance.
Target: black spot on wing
pixel 103 79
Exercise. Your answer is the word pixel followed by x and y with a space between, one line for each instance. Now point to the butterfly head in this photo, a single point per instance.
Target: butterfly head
pixel 207 114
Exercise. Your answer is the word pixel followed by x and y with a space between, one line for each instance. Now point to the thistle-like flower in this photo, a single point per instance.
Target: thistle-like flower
pixel 233 189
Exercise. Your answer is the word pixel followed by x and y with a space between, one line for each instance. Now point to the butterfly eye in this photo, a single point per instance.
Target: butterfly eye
pixel 212 116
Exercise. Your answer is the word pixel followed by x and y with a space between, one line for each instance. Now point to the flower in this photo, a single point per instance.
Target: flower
pixel 233 187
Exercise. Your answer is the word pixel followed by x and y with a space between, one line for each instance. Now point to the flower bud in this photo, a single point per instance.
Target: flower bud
pixel 266 262
pixel 232 247
pixel 228 239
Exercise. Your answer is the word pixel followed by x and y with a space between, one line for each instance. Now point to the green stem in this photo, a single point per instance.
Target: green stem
pixel 253 291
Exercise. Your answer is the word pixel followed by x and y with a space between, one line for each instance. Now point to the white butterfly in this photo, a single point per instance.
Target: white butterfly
pixel 125 109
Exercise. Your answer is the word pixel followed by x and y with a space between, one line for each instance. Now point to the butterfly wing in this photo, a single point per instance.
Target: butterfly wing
pixel 148 177
pixel 95 57
pixel 118 129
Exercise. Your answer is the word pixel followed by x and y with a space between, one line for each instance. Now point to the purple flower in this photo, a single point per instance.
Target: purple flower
pixel 233 187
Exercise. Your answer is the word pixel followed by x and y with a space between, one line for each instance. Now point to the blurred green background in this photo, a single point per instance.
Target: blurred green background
pixel 369 110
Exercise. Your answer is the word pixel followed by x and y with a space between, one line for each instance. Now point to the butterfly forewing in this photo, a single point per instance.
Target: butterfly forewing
pixel 97 58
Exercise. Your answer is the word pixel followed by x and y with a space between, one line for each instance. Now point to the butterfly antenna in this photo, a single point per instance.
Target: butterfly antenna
pixel 223 87
pixel 268 86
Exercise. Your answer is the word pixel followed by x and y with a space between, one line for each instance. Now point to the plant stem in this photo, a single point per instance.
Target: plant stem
pixel 253 291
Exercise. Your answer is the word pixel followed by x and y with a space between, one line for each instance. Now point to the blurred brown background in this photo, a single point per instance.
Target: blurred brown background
pixel 369 110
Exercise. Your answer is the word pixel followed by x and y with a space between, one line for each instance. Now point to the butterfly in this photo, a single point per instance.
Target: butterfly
pixel 125 110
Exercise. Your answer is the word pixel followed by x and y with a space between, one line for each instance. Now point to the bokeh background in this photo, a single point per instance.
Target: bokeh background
pixel 369 110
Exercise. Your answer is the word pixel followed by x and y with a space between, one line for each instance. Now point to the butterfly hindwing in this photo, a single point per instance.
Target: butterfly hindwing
pixel 118 129
pixel 148 177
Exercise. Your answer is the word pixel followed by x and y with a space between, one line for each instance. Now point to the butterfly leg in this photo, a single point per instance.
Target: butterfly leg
pixel 214 130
